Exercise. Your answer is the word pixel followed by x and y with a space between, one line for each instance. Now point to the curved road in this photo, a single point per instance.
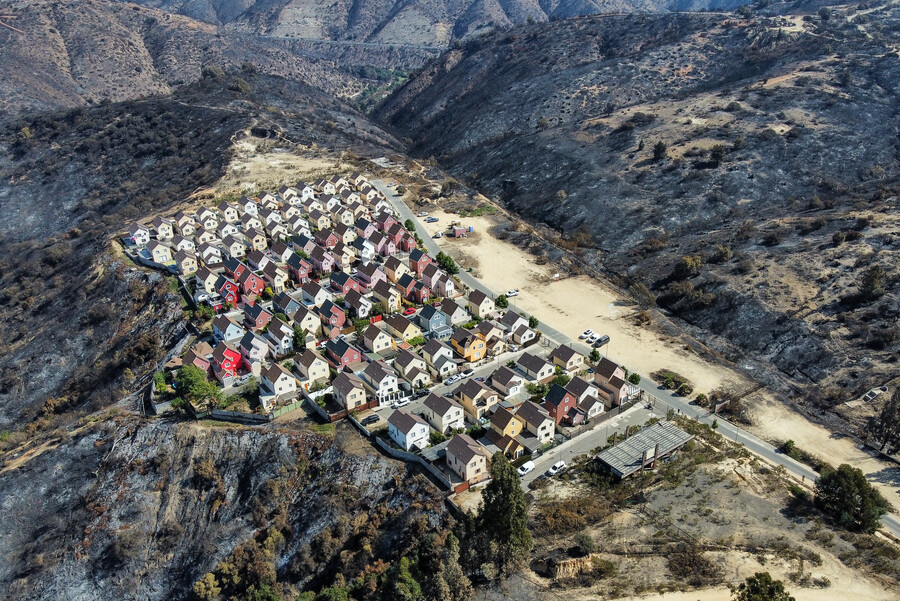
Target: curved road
pixel 730 431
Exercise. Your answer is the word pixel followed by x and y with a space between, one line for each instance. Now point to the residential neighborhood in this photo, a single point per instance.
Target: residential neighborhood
pixel 313 299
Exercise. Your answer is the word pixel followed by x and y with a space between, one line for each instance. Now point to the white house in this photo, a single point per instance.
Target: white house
pixel 140 234
pixel 279 380
pixel 408 430
pixel 444 414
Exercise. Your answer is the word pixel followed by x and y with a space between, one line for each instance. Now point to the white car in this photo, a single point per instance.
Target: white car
pixel 525 468
pixel 403 403
pixel 592 339
pixel 556 468
pixel 587 334
pixel 510 293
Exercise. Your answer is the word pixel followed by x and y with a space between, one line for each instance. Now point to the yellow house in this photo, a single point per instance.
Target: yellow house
pixel 476 398
pixel 388 296
pixel 505 423
pixel 257 240
pixel 401 327
pixel 395 269
pixel 376 340
pixel 468 345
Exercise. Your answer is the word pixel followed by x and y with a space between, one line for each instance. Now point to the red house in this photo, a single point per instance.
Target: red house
pixel 407 243
pixel 340 354
pixel 421 293
pixel 559 402
pixel 327 238
pixel 226 361
pixel 251 283
pixel 395 232
pixel 256 317
pixel 299 269
pixel 342 283
pixel 228 290
pixel 419 260
pixel 332 315
pixel 384 221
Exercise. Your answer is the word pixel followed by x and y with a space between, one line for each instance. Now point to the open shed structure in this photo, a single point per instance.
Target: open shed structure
pixel 644 449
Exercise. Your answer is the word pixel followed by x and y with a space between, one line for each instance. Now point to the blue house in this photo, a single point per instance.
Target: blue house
pixel 434 323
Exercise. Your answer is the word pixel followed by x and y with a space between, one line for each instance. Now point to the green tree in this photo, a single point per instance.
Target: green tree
pixel 871 282
pixel 299 338
pixel 594 357
pixel 533 322
pixel 263 592
pixel 503 518
pixel 634 378
pixel 885 428
pixel 659 151
pixel 447 263
pixel 501 302
pixel 409 225
pixel 846 496
pixel 159 381
pixel 760 587
pixel 194 386
pixel 268 293
pixel 401 583
pixel 302 254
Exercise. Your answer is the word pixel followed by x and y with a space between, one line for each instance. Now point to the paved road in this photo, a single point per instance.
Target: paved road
pixel 728 430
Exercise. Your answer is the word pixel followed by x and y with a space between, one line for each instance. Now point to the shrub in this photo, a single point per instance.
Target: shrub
pixel 659 151
pixel 585 544
pixel 847 497
pixel 687 267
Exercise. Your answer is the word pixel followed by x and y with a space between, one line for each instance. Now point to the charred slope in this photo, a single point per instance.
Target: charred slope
pixel 642 139
pixel 126 509
pixel 76 318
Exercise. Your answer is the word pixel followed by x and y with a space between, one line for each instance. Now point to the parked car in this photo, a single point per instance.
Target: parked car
pixel 592 339
pixel 514 292
pixel 556 468
pixel 438 235
pixel 403 403
pixel 451 380
pixel 432 220
pixel 479 379
pixel 370 420
pixel 601 341
pixel 422 393
pixel 422 214
pixel 468 373
pixel 525 468
pixel 586 334
pixel 409 310
pixel 514 347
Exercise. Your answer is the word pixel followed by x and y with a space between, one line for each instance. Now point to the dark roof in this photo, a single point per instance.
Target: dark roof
pixel 428 312
pixel 501 418
pixel 532 413
pixel 440 404
pixel 433 346
pixel 578 386
pixel 532 362
pixel 557 394
pixel 504 376
pixel 338 347
pixel 346 383
pixel 564 353
pixel 617 382
pixel 404 421
pixel 511 317
pixel 625 458
pixel 308 357
pixel 462 336
pixel 416 255
pixel 406 280
pixel 449 307
pixel 372 332
pixel 606 368
pixel 464 448
pixel 255 311
pixel 477 297
pixel 406 357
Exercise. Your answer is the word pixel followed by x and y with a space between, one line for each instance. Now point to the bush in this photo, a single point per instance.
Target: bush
pixel 634 378
pixel 585 544
pixel 846 496
pixel 687 267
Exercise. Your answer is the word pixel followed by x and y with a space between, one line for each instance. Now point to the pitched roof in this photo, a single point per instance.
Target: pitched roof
pixel 617 382
pixel 502 417
pixel 606 368
pixel 564 353
pixel 308 357
pixel 504 376
pixel 449 307
pixel 399 323
pixel 275 371
pixel 433 346
pixel 404 421
pixel 579 386
pixel 532 362
pixel 463 336
pixel 440 404
pixel 476 297
pixel 406 358
pixel 345 383
pixel 532 413
pixel 556 394
pixel 510 318
pixel 464 448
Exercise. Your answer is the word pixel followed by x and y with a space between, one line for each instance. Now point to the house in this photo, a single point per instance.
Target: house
pixel 186 262
pixel 300 226
pixel 456 314
pixel 407 430
pixel 506 381
pixel 280 337
pixel 277 231
pixel 581 388
pixel 319 220
pixel 476 398
pixel 332 315
pixel 248 206
pixel 358 179
pixel 421 293
pixel 159 252
pixel 180 243
pixel 358 304
pixel 249 221
pixel 267 200
pixel 257 259
pixel 618 388
pixel 289 212
pixel 346 232
pixel 200 356
pixel 306 191
pixel 480 304
pixel 204 236
pixel 343 255
pixel 228 290
pixel 444 414
pixel 381 379
pixel 299 269
pixel 269 216
pixel 256 238
pixel 413 369
pixel 226 361
pixel 164 228
pixel 253 349
pixel 342 283
pixel 206 280
pixel 439 357
pixel 256 317
pixel 308 321
pixel 209 254
pixel 279 380
pixel 364 249
pixel 535 367
pixel 314 294
pixel 326 238
pixel 493 337
pixel 430 273
pixel 275 277
pixel 280 252
pixel 559 402
pixel 303 243
pixel 234 247
pixel 229 212
pixel 405 285
pixel 312 366
pixel 505 428
pixel 384 219
pixel 607 370
pixel 591 407
pixel 349 391
pixel 395 269
pixel 251 283
pixel 364 228
pixel 468 345
pixel 444 286
pixel 523 335
pixel 384 246
pixel 430 319
pixel 322 260
pixel 567 359
pixel 537 421
pixel 343 216
pixel 185 224
pixel 341 354
pixel 512 321
pixel 284 303
pixel 401 327
pixel 370 274
pixel 467 459
pixel 388 296
pixel 419 260
pixel 226 229
pixel 208 218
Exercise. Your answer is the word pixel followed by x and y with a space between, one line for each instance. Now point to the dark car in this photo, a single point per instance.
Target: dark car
pixel 370 420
